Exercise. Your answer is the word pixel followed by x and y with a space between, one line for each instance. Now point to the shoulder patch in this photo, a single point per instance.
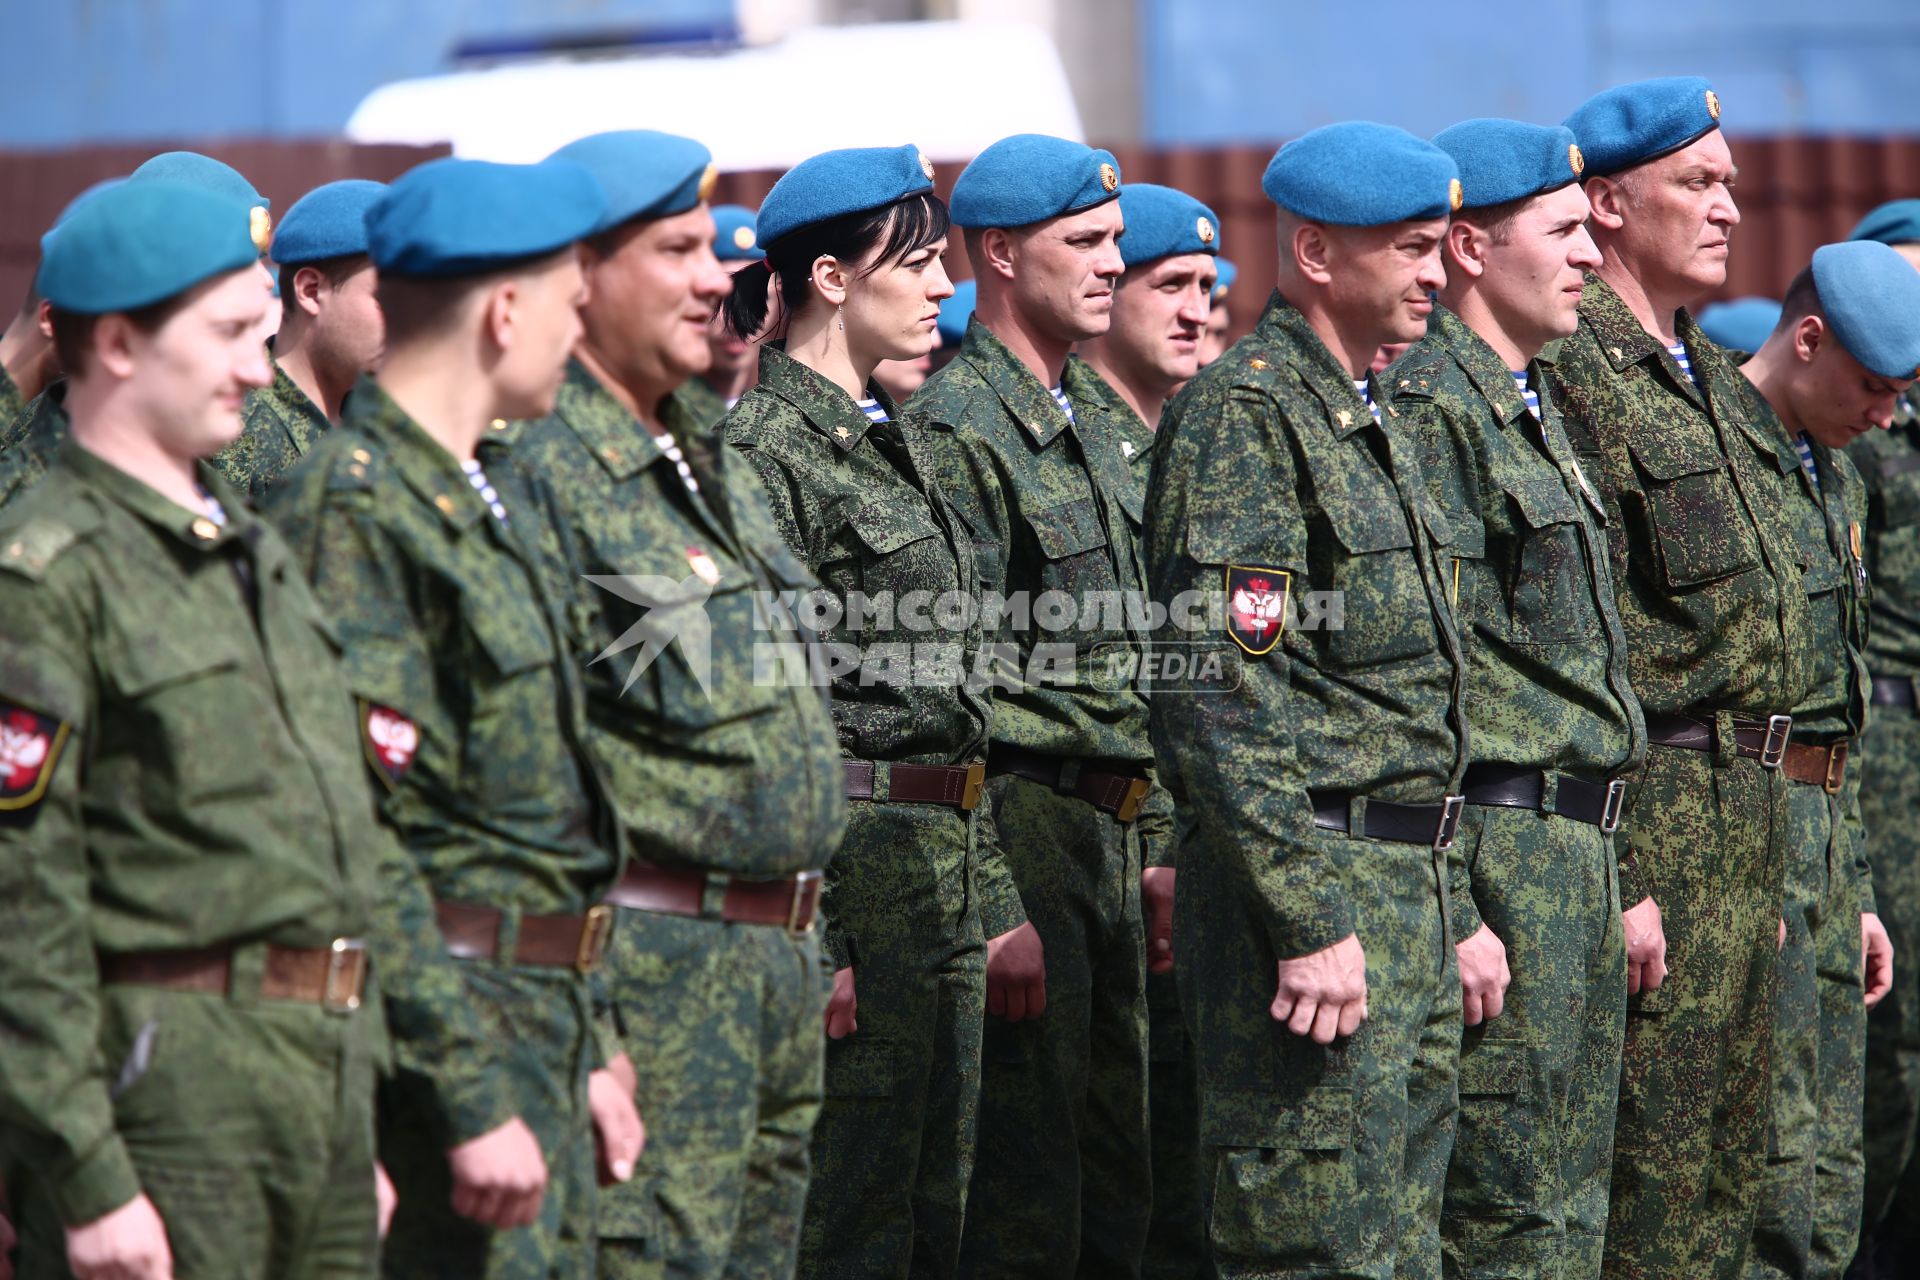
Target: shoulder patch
pixel 354 468
pixel 1414 381
pixel 391 741
pixel 32 547
pixel 30 747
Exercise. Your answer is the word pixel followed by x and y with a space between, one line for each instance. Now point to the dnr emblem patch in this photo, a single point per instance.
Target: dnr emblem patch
pixel 30 746
pixel 1257 599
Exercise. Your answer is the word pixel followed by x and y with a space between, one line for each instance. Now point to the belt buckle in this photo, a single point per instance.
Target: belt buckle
pixel 1773 752
pixel 1615 802
pixel 345 956
pixel 1450 810
pixel 1836 768
pixel 593 938
pixel 976 779
pixel 801 883
pixel 1129 808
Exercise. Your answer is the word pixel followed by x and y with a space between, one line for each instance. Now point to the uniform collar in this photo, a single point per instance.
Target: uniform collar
pixel 1030 404
pixel 1483 367
pixel 620 444
pixel 287 394
pixel 1624 341
pixel 827 408
pixel 1316 365
pixel 195 529
pixel 420 460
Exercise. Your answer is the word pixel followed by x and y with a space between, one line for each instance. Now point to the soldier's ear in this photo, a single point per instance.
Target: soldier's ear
pixel 1466 249
pixel 1607 197
pixel 996 253
pixel 499 312
pixel 830 279
pixel 1809 334
pixel 1312 250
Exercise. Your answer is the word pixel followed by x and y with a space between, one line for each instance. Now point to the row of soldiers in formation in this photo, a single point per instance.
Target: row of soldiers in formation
pixel 410 856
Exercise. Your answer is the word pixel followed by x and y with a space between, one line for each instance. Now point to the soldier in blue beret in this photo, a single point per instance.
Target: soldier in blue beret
pixel 728 788
pixel 1312 759
pixel 330 334
pixel 29 365
pixel 1718 631
pixel 190 867
pixel 1029 454
pixel 736 244
pixel 1889 756
pixel 1552 723
pixel 1740 325
pixel 1845 348
pixel 471 733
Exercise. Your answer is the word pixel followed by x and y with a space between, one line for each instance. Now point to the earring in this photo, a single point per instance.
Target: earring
pixel 840 319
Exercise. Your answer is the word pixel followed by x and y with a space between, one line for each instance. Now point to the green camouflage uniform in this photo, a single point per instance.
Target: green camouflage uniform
pixel 11 404
pixel 282 425
pixel 179 770
pixel 38 433
pixel 701 402
pixel 1888 774
pixel 1324 1161
pixel 445 628
pixel 1546 691
pixel 1062 1177
pixel 741 778
pixel 905 899
pixel 1707 570
pixel 1810 1208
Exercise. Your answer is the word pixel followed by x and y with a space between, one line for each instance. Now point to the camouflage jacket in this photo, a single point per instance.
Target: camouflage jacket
pixel 468 704
pixel 1546 676
pixel 281 426
pixel 1705 561
pixel 1054 512
pixel 40 430
pixel 702 403
pixel 11 405
pixel 1889 467
pixel 716 757
pixel 1272 479
pixel 857 502
pixel 179 768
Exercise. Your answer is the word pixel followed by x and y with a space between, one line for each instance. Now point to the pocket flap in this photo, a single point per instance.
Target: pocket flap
pixel 1543 502
pixel 161 659
pixel 1318 1120
pixel 1668 455
pixel 1466 534
pixel 1493 1068
pixel 1067 528
pixel 516 639
pixel 1369 524
pixel 887 529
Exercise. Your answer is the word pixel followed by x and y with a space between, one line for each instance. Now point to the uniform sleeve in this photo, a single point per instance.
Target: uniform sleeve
pixel 1233 747
pixel 437 1032
pixel 55 1105
pixel 1855 831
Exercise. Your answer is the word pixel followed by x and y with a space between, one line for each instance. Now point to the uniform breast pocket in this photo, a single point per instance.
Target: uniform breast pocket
pixel 899 551
pixel 194 701
pixel 1546 599
pixel 1074 546
pixel 1695 512
pixel 1375 577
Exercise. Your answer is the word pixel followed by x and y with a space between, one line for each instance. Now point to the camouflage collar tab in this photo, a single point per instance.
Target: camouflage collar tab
pixel 603 426
pixel 826 407
pixel 286 394
pixel 1486 370
pixel 190 528
pixel 1300 349
pixel 1621 336
pixel 1022 395
pixel 428 469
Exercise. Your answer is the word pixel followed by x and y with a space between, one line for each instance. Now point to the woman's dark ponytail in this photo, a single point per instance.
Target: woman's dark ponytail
pixel 746 307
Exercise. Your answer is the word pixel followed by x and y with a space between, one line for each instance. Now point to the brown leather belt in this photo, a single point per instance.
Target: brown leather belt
pixel 1119 794
pixel 334 977
pixel 1817 766
pixel 1754 739
pixel 560 942
pixel 956 785
pixel 792 903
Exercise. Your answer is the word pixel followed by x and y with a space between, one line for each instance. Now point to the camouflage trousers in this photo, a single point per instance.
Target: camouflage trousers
pixel 1889 760
pixel 893 1148
pixel 251 1130
pixel 1061 1185
pixel 541 1022
pixel 1177 1233
pixel 1324 1162
pixel 1539 1085
pixel 1708 833
pixel 1810 1209
pixel 723 1022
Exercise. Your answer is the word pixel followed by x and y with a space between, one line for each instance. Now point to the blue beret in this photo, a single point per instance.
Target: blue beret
pixel 1228 273
pixel 1162 222
pixel 956 311
pixel 1872 299
pixel 1031 177
pixel 1631 124
pixel 734 236
pixel 74 206
pixel 1740 325
pixel 1502 160
pixel 1361 174
pixel 139 243
pixel 328 222
pixel 643 173
pixel 191 169
pixel 836 183
pixel 454 217
pixel 1895 222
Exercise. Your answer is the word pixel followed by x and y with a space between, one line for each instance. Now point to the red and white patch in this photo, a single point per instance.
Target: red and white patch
pixel 391 740
pixel 1257 606
pixel 30 746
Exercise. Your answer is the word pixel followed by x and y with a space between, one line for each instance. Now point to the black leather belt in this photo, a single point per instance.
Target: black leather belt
pixel 1433 825
pixel 1754 738
pixel 1598 803
pixel 1105 789
pixel 1894 691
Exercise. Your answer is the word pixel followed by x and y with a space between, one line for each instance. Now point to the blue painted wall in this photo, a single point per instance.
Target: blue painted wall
pixel 1218 71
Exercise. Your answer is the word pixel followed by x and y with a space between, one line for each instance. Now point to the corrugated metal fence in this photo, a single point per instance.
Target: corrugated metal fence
pixel 1794 193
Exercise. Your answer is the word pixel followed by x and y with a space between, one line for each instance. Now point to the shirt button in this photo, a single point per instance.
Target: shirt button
pixel 361 455
pixel 205 529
